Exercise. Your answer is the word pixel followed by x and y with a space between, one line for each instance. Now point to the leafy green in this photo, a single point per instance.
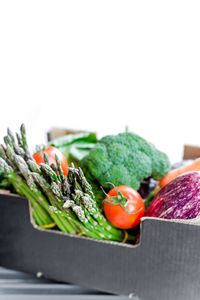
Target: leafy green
pixel 75 146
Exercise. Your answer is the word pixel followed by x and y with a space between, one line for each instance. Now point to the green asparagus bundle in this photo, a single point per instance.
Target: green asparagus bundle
pixel 67 202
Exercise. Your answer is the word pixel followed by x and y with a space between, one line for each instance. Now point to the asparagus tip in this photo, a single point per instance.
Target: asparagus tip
pixel 46 158
pixel 23 128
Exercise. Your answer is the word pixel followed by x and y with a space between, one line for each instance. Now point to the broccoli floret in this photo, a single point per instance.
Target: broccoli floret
pixel 124 159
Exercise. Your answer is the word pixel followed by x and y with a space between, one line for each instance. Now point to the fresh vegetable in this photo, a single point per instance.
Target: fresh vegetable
pixel 4 183
pixel 75 146
pixel 124 207
pixel 147 186
pixel 67 202
pixel 51 151
pixel 151 196
pixel 179 199
pixel 124 159
pixel 194 166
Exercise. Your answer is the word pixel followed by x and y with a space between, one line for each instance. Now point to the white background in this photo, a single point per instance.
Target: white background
pixel 102 65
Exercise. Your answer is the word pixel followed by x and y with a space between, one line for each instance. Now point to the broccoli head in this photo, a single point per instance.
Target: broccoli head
pixel 124 159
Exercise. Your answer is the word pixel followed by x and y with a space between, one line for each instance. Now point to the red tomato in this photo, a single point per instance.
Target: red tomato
pixel 51 151
pixel 127 208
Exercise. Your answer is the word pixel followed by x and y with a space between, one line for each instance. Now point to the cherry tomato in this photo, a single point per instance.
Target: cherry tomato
pixel 124 207
pixel 51 151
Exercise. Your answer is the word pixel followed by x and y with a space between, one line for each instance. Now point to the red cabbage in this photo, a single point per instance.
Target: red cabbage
pixel 179 199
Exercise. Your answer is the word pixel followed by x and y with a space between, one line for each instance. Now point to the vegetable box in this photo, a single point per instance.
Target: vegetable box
pixel 165 264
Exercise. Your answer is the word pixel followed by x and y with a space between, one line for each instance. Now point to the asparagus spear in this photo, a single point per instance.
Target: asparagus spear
pixel 49 172
pixel 59 168
pixel 23 142
pixel 33 166
pixel 10 134
pixel 3 152
pixel 4 166
pixel 23 137
pixel 46 159
pixel 19 140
